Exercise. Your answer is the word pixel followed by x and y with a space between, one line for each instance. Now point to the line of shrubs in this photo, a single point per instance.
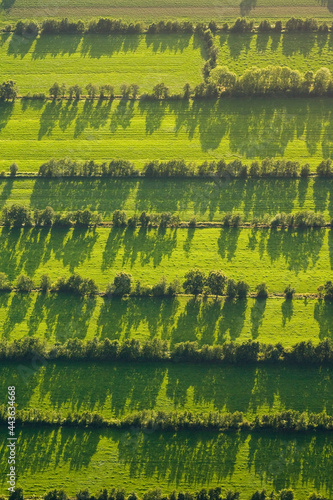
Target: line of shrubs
pixel 267 168
pixel 107 26
pixel 32 348
pixel 288 420
pixel 156 494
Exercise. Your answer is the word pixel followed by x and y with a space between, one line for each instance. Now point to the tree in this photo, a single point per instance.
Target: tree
pixel 134 90
pixel 160 91
pixel 322 80
pixel 17 494
pixel 216 282
pixel 75 90
pixel 24 283
pixel 45 283
pixel 242 289
pixel 17 215
pixel 56 495
pixel 92 90
pixel 122 284
pixel 63 89
pixel 187 91
pixel 13 169
pixel 328 290
pixel 231 289
pixel 289 292
pixel 119 218
pixel 5 284
pixel 262 291
pixel 125 90
pixel 286 495
pixel 223 78
pixel 55 90
pixel 194 282
pixel 8 91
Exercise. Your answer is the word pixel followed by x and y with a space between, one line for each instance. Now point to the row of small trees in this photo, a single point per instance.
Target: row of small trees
pixel 179 420
pixel 268 167
pixel 156 494
pixel 17 215
pixel 303 353
pixel 108 26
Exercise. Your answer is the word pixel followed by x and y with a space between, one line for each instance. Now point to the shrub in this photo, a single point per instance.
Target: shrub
pixel 5 285
pixel 83 495
pixel 56 495
pixel 119 218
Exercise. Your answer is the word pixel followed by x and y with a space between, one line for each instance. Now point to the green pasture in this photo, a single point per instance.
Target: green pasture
pixel 303 258
pixel 205 200
pixel 120 389
pixel 57 318
pixel 148 10
pixel 145 60
pixel 295 129
pixel 301 51
pixel 75 459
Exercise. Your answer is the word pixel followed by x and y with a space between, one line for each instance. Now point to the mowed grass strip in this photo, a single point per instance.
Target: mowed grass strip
pixel 301 51
pixel 145 60
pixel 303 258
pixel 148 10
pixel 202 199
pixel 295 129
pixel 75 459
pixel 57 318
pixel 117 390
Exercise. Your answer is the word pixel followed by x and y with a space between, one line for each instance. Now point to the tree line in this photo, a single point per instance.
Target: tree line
pixel 303 353
pixel 156 494
pixel 288 420
pixel 17 215
pixel 235 169
pixel 108 26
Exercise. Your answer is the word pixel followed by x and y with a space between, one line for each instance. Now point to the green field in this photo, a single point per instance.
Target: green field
pixel 206 200
pixel 75 459
pixel 297 129
pixel 145 60
pixel 302 51
pixel 277 257
pixel 148 10
pixel 129 387
pixel 56 318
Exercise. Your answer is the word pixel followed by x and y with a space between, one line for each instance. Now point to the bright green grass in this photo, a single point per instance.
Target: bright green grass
pixel 206 200
pixel 302 51
pixel 148 10
pixel 120 389
pixel 56 318
pixel 144 60
pixel 296 129
pixel 277 257
pixel 76 459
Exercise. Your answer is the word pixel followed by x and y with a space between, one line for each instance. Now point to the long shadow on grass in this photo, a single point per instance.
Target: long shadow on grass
pixel 102 195
pixel 323 313
pixel 327 3
pixel 300 43
pixel 56 45
pixel 246 6
pixel 20 45
pixel 41 448
pixel 288 460
pixel 6 109
pixel 149 246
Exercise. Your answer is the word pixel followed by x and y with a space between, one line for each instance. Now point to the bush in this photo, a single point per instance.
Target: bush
pixel 56 495
pixel 5 285
pixel 216 282
pixel 17 494
pixel 119 218
pixel 45 283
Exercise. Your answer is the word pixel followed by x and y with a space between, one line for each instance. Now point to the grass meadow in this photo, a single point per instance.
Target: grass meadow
pixel 301 51
pixel 148 10
pixel 303 258
pixel 295 129
pixel 206 200
pixel 75 459
pixel 124 388
pixel 57 318
pixel 145 60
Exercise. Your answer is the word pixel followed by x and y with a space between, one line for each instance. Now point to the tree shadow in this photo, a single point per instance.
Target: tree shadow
pixel 246 6
pixel 7 4
pixel 323 314
pixel 238 43
pixel 232 320
pixel 287 309
pixel 166 42
pixel 299 43
pixel 56 45
pixel 122 116
pixel 6 110
pixel 154 112
pixel 227 242
pixel 49 118
pixel 20 45
pixel 327 3
pixel 257 316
